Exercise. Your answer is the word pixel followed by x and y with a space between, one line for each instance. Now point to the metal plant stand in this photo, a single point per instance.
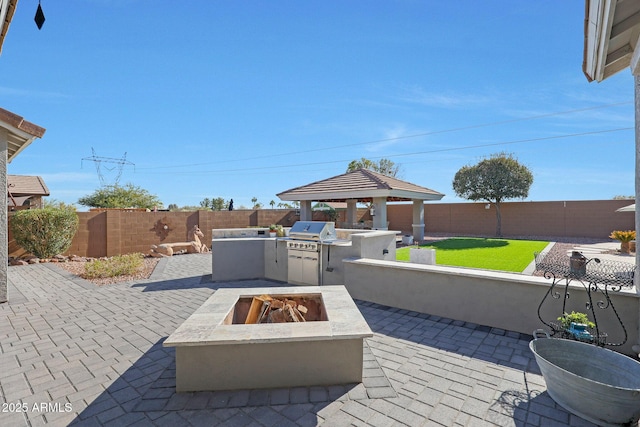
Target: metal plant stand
pixel 598 278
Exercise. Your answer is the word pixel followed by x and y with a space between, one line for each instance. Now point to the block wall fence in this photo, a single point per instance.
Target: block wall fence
pixel 114 232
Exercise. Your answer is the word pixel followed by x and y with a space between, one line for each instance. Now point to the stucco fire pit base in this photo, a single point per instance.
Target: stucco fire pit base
pixel 212 353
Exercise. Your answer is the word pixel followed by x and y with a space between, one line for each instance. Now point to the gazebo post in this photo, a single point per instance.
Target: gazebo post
pixel 380 217
pixel 418 220
pixel 306 214
pixel 352 212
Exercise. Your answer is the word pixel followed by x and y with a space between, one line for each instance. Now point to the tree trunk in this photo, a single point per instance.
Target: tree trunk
pixel 625 247
pixel 498 220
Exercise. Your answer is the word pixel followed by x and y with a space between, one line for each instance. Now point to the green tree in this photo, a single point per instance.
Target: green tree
pixel 494 179
pixel 116 196
pixel 206 203
pixel 383 166
pixel 218 204
pixel 272 203
pixel 44 232
pixel 188 208
pixel 173 207
pixel 57 204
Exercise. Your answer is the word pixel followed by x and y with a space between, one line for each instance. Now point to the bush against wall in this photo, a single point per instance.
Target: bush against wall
pixel 44 232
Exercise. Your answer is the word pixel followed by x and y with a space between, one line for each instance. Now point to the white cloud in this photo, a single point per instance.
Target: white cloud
pixel 61 177
pixel 418 95
pixel 30 93
pixel 391 136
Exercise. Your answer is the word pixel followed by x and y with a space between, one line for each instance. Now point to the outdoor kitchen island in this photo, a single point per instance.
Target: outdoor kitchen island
pixel 312 257
pixel 216 351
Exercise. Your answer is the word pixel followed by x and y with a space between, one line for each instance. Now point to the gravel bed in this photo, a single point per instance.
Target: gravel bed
pixel 144 272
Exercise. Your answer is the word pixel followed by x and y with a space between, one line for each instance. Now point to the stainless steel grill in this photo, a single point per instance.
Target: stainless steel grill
pixel 304 244
pixel 316 231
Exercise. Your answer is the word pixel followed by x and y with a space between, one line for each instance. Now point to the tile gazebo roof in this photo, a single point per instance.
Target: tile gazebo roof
pixel 361 185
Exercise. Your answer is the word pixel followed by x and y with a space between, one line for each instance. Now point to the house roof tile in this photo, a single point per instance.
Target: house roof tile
pixel 25 185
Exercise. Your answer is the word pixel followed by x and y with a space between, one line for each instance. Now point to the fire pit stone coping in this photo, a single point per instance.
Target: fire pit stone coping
pixel 212 353
pixel 206 325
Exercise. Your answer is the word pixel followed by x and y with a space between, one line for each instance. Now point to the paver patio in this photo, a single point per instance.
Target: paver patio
pixel 98 350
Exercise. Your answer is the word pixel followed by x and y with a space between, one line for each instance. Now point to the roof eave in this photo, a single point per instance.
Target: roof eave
pixel 21 131
pixel 597 29
pixel 6 21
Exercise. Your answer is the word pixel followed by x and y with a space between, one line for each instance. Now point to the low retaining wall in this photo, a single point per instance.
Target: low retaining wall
pixel 501 300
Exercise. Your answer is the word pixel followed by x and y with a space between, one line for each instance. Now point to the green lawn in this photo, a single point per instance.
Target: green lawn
pixel 489 254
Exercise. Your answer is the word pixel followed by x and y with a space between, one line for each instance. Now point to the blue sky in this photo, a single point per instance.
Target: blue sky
pixel 243 99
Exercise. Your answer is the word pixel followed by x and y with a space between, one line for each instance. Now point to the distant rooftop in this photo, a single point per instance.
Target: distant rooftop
pixel 26 185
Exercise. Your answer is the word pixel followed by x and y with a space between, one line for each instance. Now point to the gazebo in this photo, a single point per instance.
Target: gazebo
pixel 364 186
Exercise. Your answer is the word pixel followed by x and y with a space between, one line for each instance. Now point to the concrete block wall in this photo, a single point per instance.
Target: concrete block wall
pixel 115 232
pixel 578 218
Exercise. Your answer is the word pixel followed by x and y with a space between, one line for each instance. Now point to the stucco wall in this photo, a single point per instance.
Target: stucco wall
pixel 502 300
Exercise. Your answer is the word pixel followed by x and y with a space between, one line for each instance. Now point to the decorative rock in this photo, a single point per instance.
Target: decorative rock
pixel 193 246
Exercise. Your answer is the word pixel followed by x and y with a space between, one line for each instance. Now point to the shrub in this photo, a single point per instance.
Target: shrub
pixel 575 317
pixel 44 232
pixel 623 236
pixel 115 266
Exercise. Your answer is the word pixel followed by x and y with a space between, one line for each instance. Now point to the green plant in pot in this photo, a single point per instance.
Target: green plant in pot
pixel 273 229
pixel 576 324
pixel 625 238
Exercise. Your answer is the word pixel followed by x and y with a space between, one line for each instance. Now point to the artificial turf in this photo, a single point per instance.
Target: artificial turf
pixel 488 254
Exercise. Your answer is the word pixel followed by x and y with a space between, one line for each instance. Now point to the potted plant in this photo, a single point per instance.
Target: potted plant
pixel 273 230
pixel 280 231
pixel 576 325
pixel 625 238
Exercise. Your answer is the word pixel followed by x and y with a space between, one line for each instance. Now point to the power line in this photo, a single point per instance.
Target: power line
pixel 397 138
pixel 415 153
pixel 98 161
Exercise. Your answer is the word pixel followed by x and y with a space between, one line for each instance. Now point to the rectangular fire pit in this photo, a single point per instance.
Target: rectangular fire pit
pixel 215 350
